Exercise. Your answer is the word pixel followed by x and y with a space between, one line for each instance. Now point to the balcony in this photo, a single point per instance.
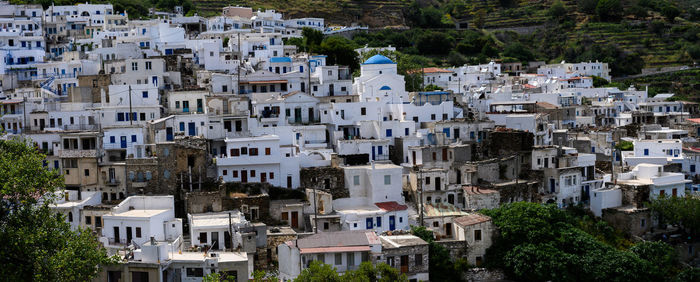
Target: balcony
pixel 247 160
pixel 112 182
pixel 77 153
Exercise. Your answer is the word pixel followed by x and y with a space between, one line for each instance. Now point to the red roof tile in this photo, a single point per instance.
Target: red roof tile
pixel 391 206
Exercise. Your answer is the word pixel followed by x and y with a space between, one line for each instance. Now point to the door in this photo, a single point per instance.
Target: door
pixel 404 264
pixel 123 141
pixel 373 157
pixel 227 239
pixel 437 183
pixel 295 219
pixel 169 134
pixel 244 176
pixel 370 223
pixel 128 235
pixel 551 184
pixel 311 114
pixel 263 177
pixel 200 106
pixel 191 129
pixel 392 222
pixel 186 106
pixel 215 240
pixel 117 238
pixel 297 115
pixel 289 181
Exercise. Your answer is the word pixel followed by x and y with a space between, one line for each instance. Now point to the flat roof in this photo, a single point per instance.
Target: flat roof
pixel 140 213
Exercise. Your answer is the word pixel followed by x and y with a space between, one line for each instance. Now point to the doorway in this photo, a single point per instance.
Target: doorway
pixel 215 240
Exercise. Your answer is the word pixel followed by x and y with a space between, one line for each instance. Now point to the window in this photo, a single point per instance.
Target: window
pixel 253 151
pixel 88 220
pixel 427 180
pixel 70 217
pixel 195 272
pixel 202 237
pixel 142 116
pixel 244 150
pixel 436 224
pixel 387 179
pixel 144 94
pixel 252 173
pixel 133 138
pixel 363 111
pixel 338 258
pixel 419 259
pixel 379 221
pixel 235 152
pixel 351 258
pixel 267 151
pixel 646 152
pixel 120 116
pixel 177 104
pixel 388 133
pixel 138 232
pixel 87 172
pixel 134 66
pixel 112 139
pixel 477 235
pixel 234 173
pixel 224 172
pixel 356 180
pixel 148 65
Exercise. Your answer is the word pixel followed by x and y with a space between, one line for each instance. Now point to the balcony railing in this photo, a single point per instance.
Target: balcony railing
pixel 112 182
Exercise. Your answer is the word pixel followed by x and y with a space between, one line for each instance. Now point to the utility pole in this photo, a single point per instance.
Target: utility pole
pixel 238 71
pixel 315 211
pixel 308 60
pixel 131 115
pixel 230 230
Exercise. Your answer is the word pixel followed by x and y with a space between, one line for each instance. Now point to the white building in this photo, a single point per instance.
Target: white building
pixel 138 218
pixel 212 229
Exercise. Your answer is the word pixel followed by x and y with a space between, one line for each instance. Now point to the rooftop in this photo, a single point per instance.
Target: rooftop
pixel 397 241
pixel 471 219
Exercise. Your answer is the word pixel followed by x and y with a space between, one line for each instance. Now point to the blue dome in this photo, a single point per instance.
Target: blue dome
pixel 378 60
pixel 385 88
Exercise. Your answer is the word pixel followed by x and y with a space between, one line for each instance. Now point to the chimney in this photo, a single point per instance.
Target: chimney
pixel 153 241
pixel 372 162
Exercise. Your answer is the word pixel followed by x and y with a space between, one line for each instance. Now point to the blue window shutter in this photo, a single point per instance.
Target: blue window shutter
pixel 182 126
pixel 120 116
pixel 144 94
pixel 112 139
pixel 133 138
pixel 388 133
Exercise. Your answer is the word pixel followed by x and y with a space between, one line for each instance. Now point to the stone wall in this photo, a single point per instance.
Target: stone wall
pixel 411 252
pixel 458 249
pixel 201 202
pixel 483 274
pixel 329 179
pixel 275 237
pixel 505 143
pixel 629 220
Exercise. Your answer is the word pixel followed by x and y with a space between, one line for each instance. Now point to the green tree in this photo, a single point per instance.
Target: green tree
pixel 557 11
pixel 587 6
pixel 519 51
pixel 479 18
pixel 39 244
pixel 544 243
pixel 608 10
pixel 670 12
pixel 599 81
pixel 318 272
pixel 434 42
pixel 382 272
pixel 312 39
pixel 694 51
pixel 682 211
pixel 340 51
pixel 441 266
pixel 217 277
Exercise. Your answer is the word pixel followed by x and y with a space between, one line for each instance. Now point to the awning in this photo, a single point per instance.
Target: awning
pixel 334 250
